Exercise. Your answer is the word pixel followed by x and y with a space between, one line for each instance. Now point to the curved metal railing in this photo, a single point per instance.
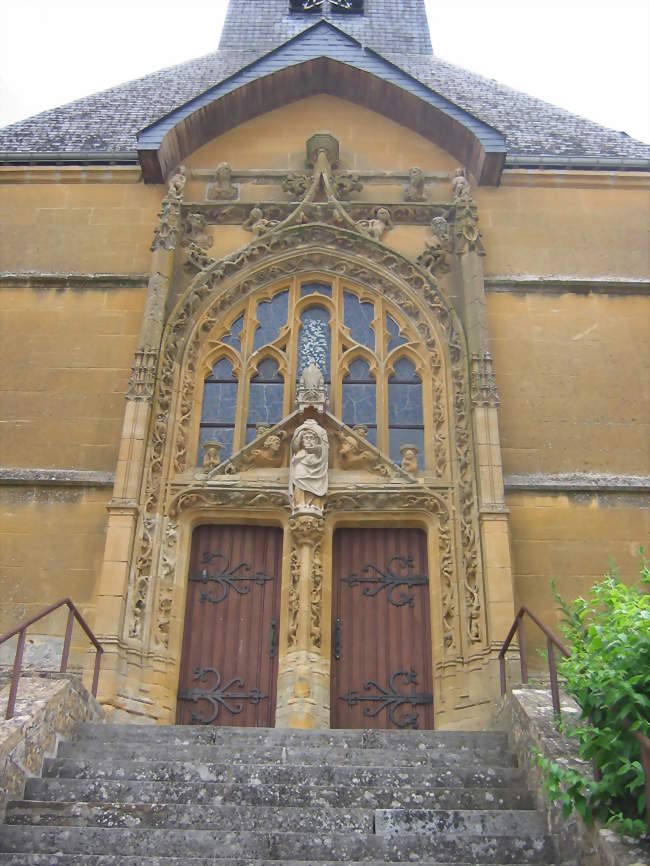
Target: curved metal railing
pixel 21 631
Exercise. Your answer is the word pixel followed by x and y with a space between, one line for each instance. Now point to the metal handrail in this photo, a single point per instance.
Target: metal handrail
pixel 552 641
pixel 21 631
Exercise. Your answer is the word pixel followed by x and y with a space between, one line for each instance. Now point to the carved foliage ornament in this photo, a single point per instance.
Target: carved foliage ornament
pixel 169 218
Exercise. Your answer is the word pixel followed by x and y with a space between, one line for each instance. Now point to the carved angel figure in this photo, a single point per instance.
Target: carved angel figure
pixel 460 187
pixel 308 467
pixel 414 191
pixel 376 227
pixel 222 188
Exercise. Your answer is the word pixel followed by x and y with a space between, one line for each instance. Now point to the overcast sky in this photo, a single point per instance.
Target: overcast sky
pixel 589 56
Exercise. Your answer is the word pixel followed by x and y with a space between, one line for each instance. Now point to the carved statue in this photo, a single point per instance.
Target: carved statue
pixel 460 187
pixel 177 183
pixel 434 257
pixel 308 467
pixel 375 228
pixel 409 459
pixel 222 189
pixel 257 224
pixel 211 455
pixel 414 191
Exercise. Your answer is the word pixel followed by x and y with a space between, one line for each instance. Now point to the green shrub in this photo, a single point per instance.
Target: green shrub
pixel 608 674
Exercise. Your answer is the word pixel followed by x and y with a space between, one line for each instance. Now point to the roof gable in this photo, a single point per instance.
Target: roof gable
pixel 321 59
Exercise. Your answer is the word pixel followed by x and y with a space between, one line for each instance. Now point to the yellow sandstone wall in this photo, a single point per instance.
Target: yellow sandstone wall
pixel 572 370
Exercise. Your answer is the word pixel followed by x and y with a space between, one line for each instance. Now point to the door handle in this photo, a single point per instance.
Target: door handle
pixel 338 638
pixel 273 643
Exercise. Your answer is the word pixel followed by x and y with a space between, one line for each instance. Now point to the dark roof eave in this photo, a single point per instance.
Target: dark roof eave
pixel 82 157
pixel 589 163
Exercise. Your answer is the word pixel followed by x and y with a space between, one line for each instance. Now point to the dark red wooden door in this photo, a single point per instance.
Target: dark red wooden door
pixel 229 659
pixel 381 630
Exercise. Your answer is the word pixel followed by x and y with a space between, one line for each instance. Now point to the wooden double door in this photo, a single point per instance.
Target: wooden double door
pixel 229 660
pixel 381 630
pixel 381 673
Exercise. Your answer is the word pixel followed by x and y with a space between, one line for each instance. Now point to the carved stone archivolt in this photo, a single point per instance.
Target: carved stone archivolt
pixel 287 250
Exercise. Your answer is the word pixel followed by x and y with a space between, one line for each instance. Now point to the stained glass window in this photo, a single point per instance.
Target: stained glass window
pixel 265 397
pixel 219 407
pixel 360 398
pixel 314 342
pixel 271 315
pixel 395 337
pixel 358 316
pixel 405 412
pixel 316 288
pixel 233 337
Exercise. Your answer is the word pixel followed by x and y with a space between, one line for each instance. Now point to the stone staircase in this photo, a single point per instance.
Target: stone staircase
pixel 121 795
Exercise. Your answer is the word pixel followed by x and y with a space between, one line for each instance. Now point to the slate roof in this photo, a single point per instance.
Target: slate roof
pixel 105 125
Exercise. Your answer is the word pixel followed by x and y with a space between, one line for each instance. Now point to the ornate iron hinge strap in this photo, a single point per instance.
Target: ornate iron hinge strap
pixel 397 572
pixel 227 576
pixel 219 696
pixel 391 699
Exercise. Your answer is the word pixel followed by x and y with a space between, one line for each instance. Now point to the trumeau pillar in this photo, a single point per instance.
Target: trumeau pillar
pixel 493 515
pixel 123 509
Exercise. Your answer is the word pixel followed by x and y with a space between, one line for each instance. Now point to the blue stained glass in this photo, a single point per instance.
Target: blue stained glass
pixel 233 337
pixel 395 337
pixel 222 370
pixel 405 404
pixel 271 315
pixel 405 412
pixel 314 288
pixel 265 398
pixel 314 344
pixel 404 371
pixel 359 404
pixel 358 316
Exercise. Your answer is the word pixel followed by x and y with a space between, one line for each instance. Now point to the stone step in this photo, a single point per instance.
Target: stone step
pixel 300 794
pixel 341 847
pixel 387 822
pixel 168 735
pixel 121 860
pixel 267 774
pixel 304 756
pixel 193 817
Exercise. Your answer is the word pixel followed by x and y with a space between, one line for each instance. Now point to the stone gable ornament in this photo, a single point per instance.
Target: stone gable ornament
pixel 311 390
pixel 308 468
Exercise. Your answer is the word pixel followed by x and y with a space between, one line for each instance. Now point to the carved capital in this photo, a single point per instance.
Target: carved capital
pixel 484 386
pixel 307 528
pixel 142 381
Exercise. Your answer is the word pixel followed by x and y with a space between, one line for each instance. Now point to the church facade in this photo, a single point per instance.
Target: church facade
pixel 322 356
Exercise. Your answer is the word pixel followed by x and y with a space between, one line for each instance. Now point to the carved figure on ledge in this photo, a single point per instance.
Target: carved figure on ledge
pixel 409 458
pixel 377 226
pixel 460 187
pixel 211 455
pixel 414 191
pixel 222 188
pixel 177 183
pixel 257 224
pixel 308 467
pixel 270 451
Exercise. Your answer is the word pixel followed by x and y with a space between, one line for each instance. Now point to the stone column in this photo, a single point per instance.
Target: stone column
pixel 303 675
pixel 123 509
pixel 493 515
